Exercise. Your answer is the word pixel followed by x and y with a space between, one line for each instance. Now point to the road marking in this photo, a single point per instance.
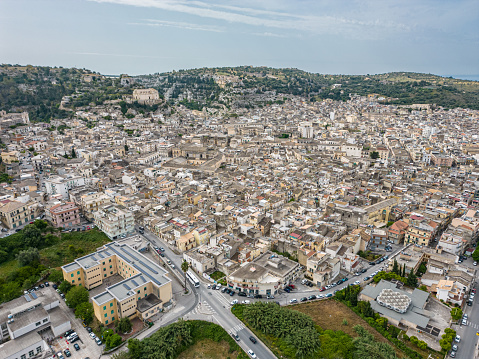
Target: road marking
pixel 237 328
pixel 221 298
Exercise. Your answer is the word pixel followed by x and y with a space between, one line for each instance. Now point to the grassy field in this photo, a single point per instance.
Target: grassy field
pixel 71 246
pixel 8 267
pixel 208 349
pixel 217 275
pixel 329 314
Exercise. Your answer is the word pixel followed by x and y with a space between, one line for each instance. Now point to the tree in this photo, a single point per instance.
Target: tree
pixel 74 155
pixel 135 349
pixel 184 268
pixel 126 148
pixel 31 236
pixel 56 276
pixel 445 344
pixel 28 256
pixel 374 155
pixel 76 296
pixel 411 279
pixel 124 325
pixel 395 269
pixel 85 312
pixel 475 254
pixel 456 313
pixel 113 341
pixel 65 286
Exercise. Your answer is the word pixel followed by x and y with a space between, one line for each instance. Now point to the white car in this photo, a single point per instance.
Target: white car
pixel 234 302
pixel 474 264
pixel 357 283
pixel 245 301
pixel 292 301
pixel 92 335
pixel 320 296
pixel 251 354
pixel 458 338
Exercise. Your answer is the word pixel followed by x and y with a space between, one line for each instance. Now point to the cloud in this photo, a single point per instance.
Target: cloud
pixel 179 25
pixel 268 34
pixel 314 24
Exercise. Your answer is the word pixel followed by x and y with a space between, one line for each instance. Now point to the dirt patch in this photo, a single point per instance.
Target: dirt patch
pixel 208 349
pixel 330 314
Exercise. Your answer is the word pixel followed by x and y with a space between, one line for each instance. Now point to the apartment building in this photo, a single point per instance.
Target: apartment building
pixel 144 291
pixel 91 202
pixel 63 215
pixel 61 185
pixel 14 214
pixel 264 275
pixel 114 221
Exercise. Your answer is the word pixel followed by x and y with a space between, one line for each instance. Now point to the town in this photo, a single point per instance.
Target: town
pixel 175 212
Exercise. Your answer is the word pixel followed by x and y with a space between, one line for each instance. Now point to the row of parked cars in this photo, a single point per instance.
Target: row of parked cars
pixel 332 285
pixel 41 285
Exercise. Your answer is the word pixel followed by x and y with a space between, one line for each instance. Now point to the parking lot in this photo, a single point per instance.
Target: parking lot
pixel 88 347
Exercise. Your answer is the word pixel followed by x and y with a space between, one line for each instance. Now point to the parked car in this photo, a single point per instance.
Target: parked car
pixel 76 346
pixel 93 336
pixel 246 301
pixel 253 339
pixel 312 297
pixel 234 302
pixel 242 294
pixel 98 341
pixel 292 301
pixel 303 299
pixel 464 322
pixel 67 353
pixel 454 348
pixel 457 339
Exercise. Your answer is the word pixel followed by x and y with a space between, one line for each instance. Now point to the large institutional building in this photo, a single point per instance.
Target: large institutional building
pixel 144 291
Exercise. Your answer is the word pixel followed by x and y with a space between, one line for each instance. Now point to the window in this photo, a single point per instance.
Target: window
pixel 106 315
pixel 39 350
pixel 112 312
pixel 23 356
pixel 31 353
pixel 72 274
pixel 138 292
pixel 78 272
pixel 109 261
pixel 103 263
pixel 104 307
pixel 73 281
pixel 146 294
pixel 106 321
pixel 104 275
pixel 111 305
pixel 111 272
pixel 45 320
pixel 110 266
pixel 79 279
pixel 144 288
pixel 113 318
pixel 104 269
pixel 38 323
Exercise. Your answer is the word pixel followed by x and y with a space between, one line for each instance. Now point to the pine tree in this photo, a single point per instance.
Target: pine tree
pixel 395 267
pixel 411 279
pixel 74 155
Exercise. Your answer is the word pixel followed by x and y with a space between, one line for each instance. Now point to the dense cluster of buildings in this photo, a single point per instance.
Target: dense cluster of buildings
pixel 256 195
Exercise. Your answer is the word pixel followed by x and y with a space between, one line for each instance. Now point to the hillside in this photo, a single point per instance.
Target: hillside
pixel 39 90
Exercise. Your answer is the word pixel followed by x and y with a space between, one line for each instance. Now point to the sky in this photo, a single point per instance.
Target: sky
pixel 322 36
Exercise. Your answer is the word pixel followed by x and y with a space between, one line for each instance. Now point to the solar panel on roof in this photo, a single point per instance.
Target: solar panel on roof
pixel 134 282
pixel 101 255
pixel 27 298
pixel 34 296
pixel 126 286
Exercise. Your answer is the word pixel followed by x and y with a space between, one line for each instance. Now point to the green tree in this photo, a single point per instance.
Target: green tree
pixel 28 256
pixel 65 286
pixel 395 269
pixel 184 268
pixel 374 155
pixel 31 236
pixel 456 313
pixel 74 155
pixel 124 325
pixel 113 341
pixel 445 344
pixel 56 276
pixel 475 254
pixel 135 349
pixel 76 296
pixel 367 347
pixel 126 148
pixel 411 279
pixel 85 312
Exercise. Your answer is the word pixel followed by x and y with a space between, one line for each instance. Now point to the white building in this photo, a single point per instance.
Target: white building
pixel 114 221
pixel 61 185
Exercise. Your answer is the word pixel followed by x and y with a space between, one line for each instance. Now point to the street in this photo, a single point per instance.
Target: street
pixel 212 302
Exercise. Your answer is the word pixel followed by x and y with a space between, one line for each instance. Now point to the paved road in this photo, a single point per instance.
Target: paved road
pixel 469 339
pixel 214 303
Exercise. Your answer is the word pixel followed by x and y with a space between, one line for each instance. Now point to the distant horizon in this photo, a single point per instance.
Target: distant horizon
pixel 472 77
